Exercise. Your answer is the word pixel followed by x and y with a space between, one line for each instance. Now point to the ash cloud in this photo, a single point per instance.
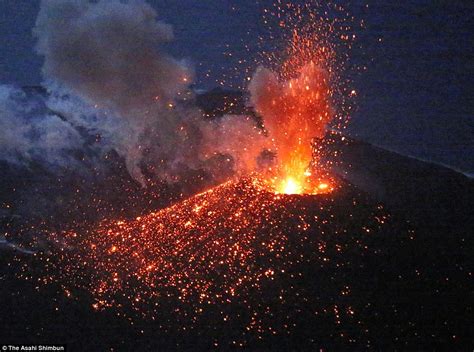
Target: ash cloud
pixel 238 136
pixel 108 74
pixel 109 53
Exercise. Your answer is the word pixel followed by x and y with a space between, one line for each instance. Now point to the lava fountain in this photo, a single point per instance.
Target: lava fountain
pixel 295 114
pixel 295 101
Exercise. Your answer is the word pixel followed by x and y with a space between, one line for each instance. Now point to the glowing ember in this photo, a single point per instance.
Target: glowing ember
pixel 235 248
pixel 323 186
pixel 304 185
pixel 218 247
pixel 295 114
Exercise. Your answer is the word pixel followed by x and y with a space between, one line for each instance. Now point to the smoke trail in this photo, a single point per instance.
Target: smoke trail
pixel 110 54
pixel 112 87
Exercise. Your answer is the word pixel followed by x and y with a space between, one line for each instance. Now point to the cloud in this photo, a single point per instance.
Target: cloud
pixel 108 74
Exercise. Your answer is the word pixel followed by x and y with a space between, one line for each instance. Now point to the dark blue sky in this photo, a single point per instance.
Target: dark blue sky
pixel 416 96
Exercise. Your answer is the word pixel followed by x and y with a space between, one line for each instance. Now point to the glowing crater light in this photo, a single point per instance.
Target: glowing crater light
pixel 291 186
pixel 301 185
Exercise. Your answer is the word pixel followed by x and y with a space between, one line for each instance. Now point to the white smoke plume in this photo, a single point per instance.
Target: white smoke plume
pixel 108 74
pixel 110 54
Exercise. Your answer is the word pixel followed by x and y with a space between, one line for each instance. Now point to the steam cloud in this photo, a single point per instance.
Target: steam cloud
pixel 108 74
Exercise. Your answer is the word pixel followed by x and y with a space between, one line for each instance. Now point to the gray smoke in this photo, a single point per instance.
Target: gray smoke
pixel 109 53
pixel 107 74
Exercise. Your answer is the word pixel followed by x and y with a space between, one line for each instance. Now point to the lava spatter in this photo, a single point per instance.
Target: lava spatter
pixel 299 91
pixel 237 253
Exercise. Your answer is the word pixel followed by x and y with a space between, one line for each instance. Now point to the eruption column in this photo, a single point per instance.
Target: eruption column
pixel 295 113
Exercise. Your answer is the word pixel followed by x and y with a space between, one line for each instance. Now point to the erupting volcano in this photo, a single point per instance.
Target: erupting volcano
pixel 296 99
pixel 231 241
pixel 146 213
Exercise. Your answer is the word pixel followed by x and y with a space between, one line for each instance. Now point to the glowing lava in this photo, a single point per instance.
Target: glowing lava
pixel 297 94
pixel 296 107
pixel 295 113
pixel 236 255
pixel 290 186
pixel 305 185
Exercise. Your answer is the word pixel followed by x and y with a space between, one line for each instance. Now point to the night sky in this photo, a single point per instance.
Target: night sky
pixel 415 96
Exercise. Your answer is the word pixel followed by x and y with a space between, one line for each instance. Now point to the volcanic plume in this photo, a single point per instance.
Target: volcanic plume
pixel 297 92
pixel 112 87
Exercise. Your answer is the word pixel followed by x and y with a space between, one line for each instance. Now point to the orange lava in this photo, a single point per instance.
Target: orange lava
pixel 295 101
pixel 308 185
pixel 295 114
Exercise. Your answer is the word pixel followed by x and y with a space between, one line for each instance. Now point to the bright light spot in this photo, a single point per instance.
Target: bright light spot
pixel 323 186
pixel 290 186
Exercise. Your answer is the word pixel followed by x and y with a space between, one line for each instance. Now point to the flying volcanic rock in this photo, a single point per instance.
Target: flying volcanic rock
pixel 236 253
